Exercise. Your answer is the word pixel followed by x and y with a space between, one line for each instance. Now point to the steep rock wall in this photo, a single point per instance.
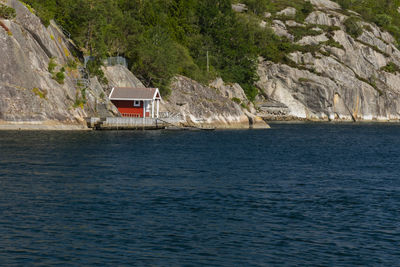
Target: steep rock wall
pixel 344 79
pixel 28 93
pixel 196 104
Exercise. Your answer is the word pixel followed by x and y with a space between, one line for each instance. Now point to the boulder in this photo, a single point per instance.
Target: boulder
pixel 287 12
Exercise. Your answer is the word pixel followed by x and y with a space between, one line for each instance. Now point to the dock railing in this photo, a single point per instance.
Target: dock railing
pixel 130 122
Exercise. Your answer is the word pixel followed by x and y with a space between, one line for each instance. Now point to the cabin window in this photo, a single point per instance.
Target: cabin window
pixel 136 103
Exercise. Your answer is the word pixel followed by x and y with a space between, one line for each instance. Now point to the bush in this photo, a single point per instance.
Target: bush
pixel 7 12
pixel 391 68
pixel 331 42
pixel 299 32
pixel 352 27
pixel 94 69
pixel 52 65
pixel 80 98
pixel 236 100
pixel 71 63
pixel 383 20
pixel 59 76
pixel 40 93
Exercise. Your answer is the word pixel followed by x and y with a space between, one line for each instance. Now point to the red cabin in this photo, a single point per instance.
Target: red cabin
pixel 136 102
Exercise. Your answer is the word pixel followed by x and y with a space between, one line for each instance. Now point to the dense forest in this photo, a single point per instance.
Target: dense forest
pixel 162 38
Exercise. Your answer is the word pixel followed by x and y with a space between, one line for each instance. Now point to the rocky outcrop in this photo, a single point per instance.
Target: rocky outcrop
pixel 191 103
pixel 288 12
pixel 344 78
pixel 325 4
pixel 196 104
pixel 120 76
pixel 28 91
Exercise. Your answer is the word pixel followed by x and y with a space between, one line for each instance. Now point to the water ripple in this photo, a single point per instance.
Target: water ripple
pixel 296 195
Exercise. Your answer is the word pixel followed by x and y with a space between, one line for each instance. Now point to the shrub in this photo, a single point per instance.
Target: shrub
pixel 331 42
pixel 383 20
pixel 40 93
pixel 391 68
pixel 71 63
pixel 368 28
pixel 94 69
pixel 29 7
pixel 352 27
pixel 52 65
pixel 305 80
pixel 59 77
pixel 299 32
pixel 236 100
pixel 80 98
pixel 7 12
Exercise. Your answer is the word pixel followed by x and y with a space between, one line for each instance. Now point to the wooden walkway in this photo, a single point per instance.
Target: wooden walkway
pixel 125 123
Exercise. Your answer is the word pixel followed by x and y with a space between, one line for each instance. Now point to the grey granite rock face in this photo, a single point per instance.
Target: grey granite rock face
pixel 334 83
pixel 119 76
pixel 28 93
pixel 289 12
pixel 202 105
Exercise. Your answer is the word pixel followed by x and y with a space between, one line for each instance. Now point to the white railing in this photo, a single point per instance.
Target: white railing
pixel 132 122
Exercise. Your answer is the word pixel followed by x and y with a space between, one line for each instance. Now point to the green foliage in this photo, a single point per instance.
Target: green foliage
pixel 299 32
pixel 384 13
pixel 383 20
pixel 39 92
pixel 236 100
pixel 331 42
pixel 29 8
pixel 80 97
pixel 72 64
pixel 52 65
pixel 305 80
pixel 45 9
pixel 59 76
pixel 258 7
pixel 368 28
pixel 158 58
pixel 304 10
pixel 94 69
pixel 391 68
pixel 352 27
pixel 7 12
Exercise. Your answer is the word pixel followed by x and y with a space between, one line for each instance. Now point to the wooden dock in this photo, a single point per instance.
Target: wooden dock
pixel 125 123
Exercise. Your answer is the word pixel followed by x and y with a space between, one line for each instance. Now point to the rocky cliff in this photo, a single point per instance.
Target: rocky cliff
pixel 343 77
pixel 43 86
pixel 31 93
pixel 336 76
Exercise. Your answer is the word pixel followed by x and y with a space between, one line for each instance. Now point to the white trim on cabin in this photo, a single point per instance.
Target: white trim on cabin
pixel 112 91
pixel 155 94
pixel 139 99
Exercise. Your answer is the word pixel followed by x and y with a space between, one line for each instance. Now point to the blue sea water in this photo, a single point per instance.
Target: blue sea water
pixel 295 195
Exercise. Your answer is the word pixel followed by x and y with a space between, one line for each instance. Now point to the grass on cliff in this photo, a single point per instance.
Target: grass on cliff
pixel 161 39
pixel 391 68
pixel 40 93
pixel 382 13
pixel 7 12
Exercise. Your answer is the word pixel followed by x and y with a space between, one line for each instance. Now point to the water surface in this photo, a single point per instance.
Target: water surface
pixel 306 194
